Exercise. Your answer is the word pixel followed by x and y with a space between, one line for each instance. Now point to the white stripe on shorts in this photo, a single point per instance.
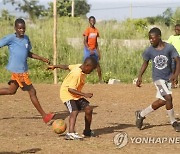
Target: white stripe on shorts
pixel 69 106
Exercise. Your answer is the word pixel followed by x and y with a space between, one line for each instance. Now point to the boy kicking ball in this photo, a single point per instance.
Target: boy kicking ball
pixel 74 98
pixel 19 51
pixel 161 54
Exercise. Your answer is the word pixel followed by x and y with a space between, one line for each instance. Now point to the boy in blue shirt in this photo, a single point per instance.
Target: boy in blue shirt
pixel 19 50
pixel 161 54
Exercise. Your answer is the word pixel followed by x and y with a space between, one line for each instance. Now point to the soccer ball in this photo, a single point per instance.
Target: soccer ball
pixel 59 126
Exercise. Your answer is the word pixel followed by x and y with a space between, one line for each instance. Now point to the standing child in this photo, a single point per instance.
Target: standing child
pixel 175 41
pixel 161 54
pixel 72 96
pixel 19 50
pixel 91 45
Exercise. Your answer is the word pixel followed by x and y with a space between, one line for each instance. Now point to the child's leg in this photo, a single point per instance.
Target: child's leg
pixel 99 72
pixel 34 99
pixel 72 106
pixel 169 108
pixel 72 121
pixel 140 115
pixel 88 117
pixel 11 90
pixel 155 105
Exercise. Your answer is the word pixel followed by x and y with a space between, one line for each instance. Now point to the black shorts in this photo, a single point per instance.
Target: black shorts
pixel 25 86
pixel 76 105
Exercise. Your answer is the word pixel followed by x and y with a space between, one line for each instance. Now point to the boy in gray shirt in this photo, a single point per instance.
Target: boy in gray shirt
pixel 161 54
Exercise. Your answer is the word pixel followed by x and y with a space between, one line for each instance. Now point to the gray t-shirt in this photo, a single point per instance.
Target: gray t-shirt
pixel 161 61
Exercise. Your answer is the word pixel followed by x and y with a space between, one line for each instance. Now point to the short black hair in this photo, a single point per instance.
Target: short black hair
pixel 91 61
pixel 92 17
pixel 19 20
pixel 177 25
pixel 156 31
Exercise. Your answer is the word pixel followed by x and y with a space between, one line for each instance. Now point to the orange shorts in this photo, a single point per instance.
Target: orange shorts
pixel 21 78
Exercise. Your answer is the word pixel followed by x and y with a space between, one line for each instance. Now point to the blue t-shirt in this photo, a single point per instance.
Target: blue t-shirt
pixel 18 52
pixel 161 61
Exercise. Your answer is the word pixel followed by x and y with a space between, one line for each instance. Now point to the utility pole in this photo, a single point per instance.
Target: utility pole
pixel 72 10
pixel 55 40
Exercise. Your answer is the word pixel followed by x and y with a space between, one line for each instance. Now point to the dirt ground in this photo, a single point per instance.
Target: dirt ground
pixel 22 129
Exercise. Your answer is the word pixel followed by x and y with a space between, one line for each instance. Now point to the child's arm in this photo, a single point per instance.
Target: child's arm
pixel 34 56
pixel 176 72
pixel 142 70
pixel 64 67
pixel 74 91
pixel 97 49
pixel 86 44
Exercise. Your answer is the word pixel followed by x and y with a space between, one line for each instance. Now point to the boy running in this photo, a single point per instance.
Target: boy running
pixel 72 96
pixel 91 45
pixel 161 54
pixel 19 50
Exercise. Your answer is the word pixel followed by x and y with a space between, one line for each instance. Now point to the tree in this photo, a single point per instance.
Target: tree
pixel 176 16
pixel 81 8
pixel 167 15
pixel 30 7
pixel 64 8
pixel 5 15
pixel 165 18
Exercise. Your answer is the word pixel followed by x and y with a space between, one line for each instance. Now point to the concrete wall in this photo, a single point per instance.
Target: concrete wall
pixel 78 42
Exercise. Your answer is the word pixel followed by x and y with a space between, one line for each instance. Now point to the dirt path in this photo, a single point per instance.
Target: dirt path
pixel 22 129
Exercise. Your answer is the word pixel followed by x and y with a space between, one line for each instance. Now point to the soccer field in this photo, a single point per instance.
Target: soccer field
pixel 23 131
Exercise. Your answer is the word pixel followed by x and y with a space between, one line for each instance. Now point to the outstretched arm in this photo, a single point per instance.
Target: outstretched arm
pixel 34 56
pixel 142 70
pixel 74 91
pixel 64 67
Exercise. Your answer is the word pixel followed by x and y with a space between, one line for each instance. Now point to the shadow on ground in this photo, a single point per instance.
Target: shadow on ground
pixel 34 150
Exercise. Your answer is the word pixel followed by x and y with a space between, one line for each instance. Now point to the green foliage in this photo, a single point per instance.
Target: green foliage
pixel 117 61
pixel 176 16
pixel 6 16
pixel 167 15
pixel 29 6
pixel 81 8
pixel 64 8
pixel 135 26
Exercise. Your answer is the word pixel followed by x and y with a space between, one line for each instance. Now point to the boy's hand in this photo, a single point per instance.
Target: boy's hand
pixel 88 95
pixel 51 67
pixel 174 79
pixel 139 81
pixel 46 60
pixel 91 52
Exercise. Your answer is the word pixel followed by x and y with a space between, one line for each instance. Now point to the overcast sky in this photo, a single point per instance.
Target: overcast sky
pixel 119 9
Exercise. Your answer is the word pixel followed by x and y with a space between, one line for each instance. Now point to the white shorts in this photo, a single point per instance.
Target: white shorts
pixel 163 88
